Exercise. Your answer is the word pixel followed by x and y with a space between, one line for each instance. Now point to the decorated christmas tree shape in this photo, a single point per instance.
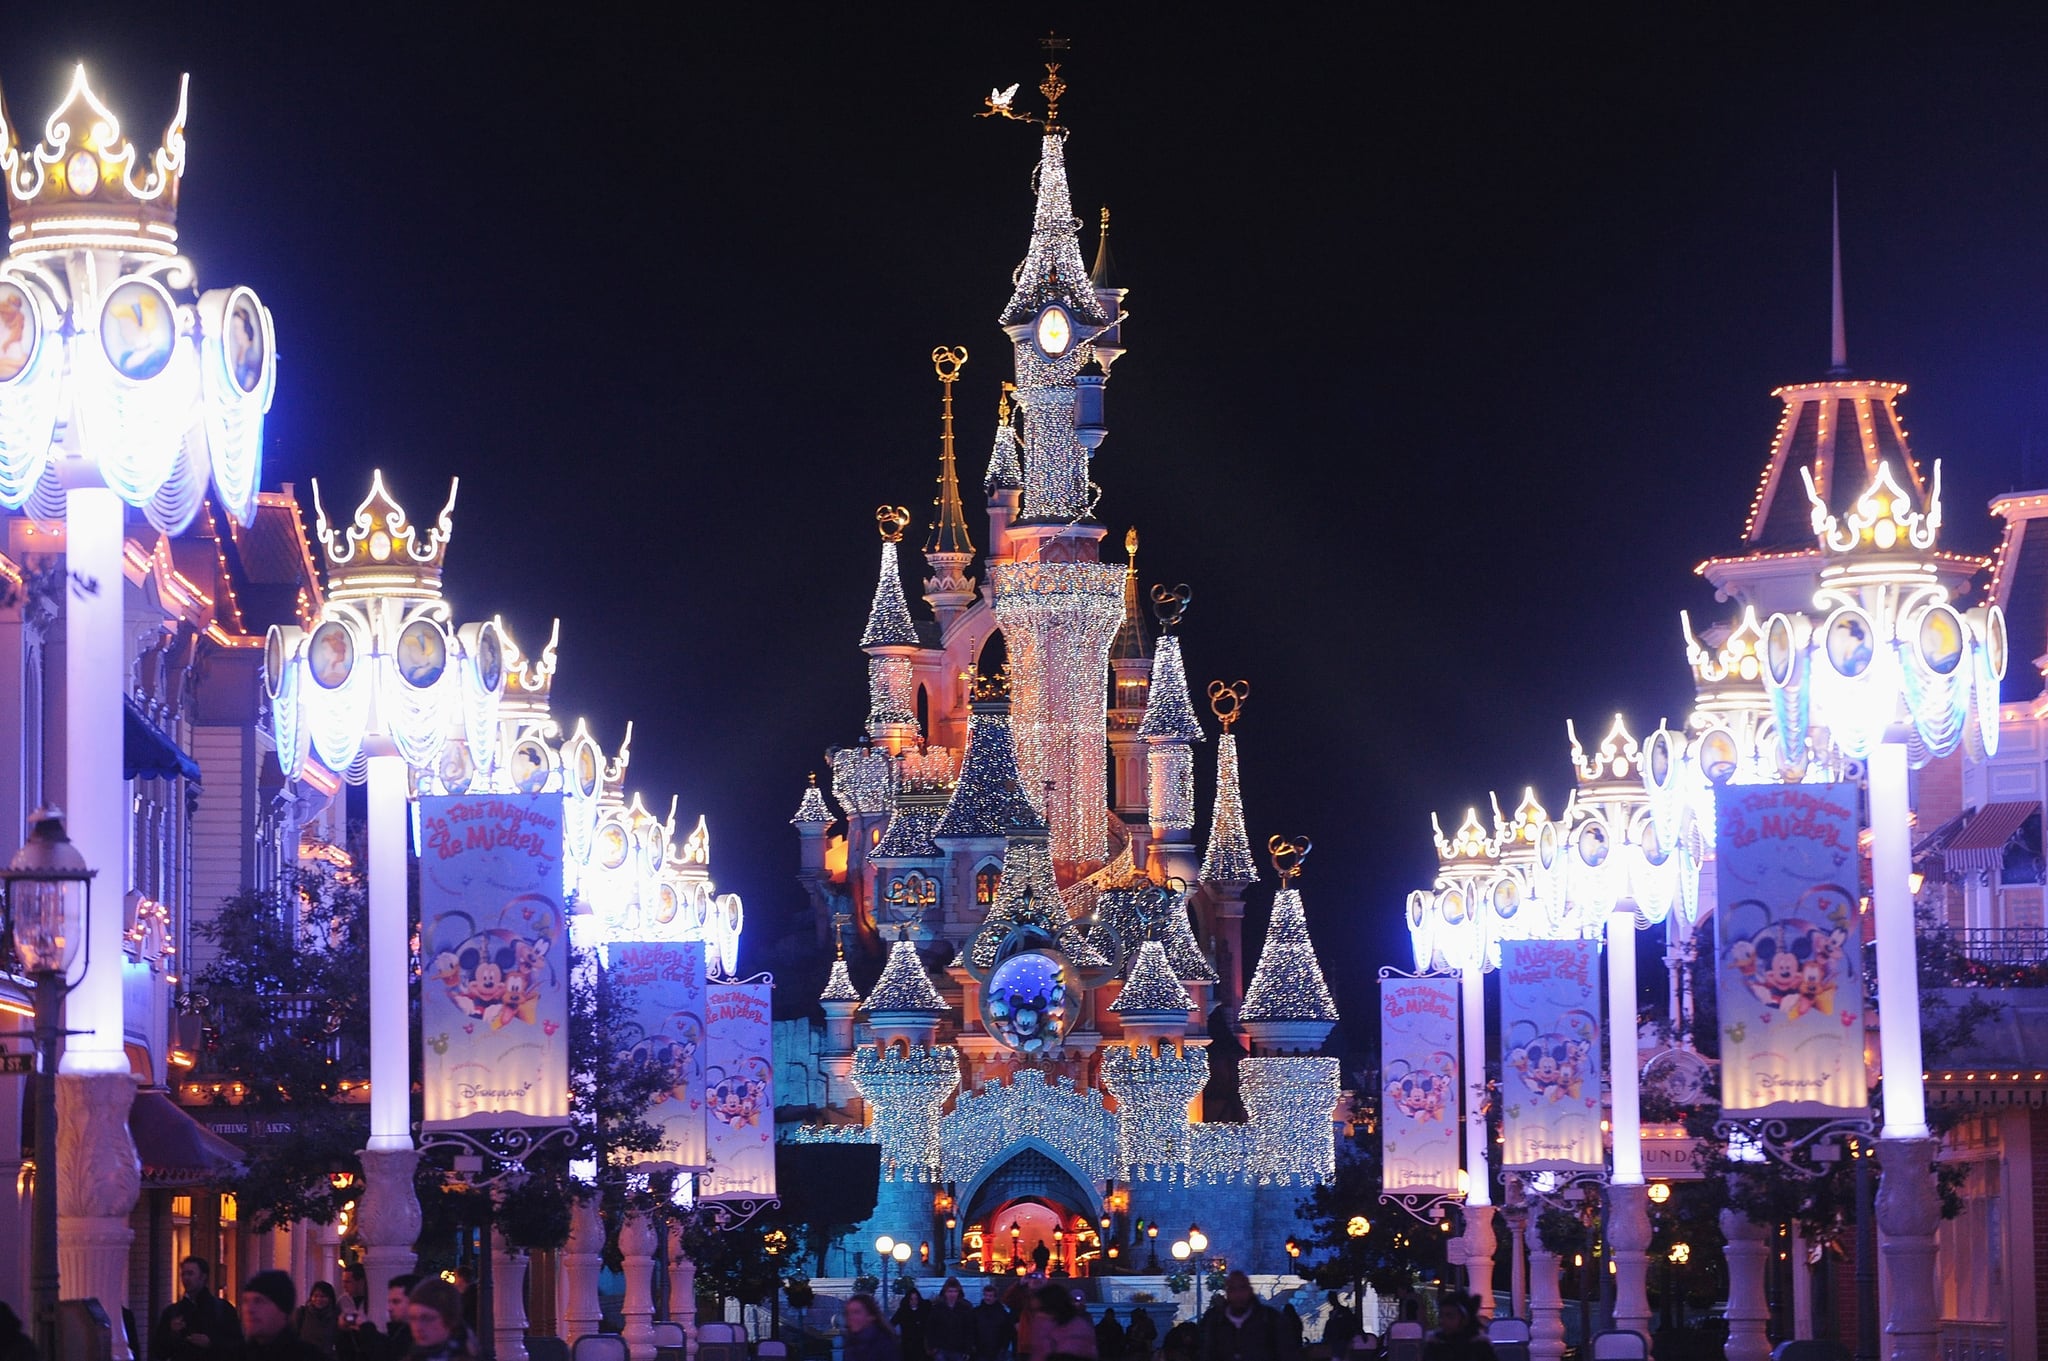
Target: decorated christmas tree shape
pixel 1229 857
pixel 1288 1005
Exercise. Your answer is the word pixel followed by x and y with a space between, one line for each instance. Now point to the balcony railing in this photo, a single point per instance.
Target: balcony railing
pixel 1997 946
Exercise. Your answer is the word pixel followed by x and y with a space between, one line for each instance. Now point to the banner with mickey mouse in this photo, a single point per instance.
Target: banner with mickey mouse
pixel 1550 1055
pixel 739 1105
pixel 1419 1064
pixel 494 995
pixel 665 980
pixel 1788 951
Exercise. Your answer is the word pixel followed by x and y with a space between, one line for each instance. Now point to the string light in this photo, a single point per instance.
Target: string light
pixel 812 807
pixel 1153 1091
pixel 861 780
pixel 906 1086
pixel 889 622
pixel 904 986
pixel 986 799
pixel 839 984
pixel 1005 461
pixel 1152 985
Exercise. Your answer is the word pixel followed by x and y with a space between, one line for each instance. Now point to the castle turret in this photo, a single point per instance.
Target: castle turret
pixel 910 867
pixel 903 1006
pixel 948 550
pixel 1130 668
pixel 1170 730
pixel 839 1001
pixel 1227 866
pixel 1004 482
pixel 1154 1076
pixel 891 642
pixel 1288 1009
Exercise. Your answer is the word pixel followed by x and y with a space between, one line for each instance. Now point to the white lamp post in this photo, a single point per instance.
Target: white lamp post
pixel 380 686
pixel 121 385
pixel 1889 673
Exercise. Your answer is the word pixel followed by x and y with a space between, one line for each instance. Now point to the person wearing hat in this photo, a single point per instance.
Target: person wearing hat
pixel 1457 1336
pixel 268 1300
pixel 1242 1327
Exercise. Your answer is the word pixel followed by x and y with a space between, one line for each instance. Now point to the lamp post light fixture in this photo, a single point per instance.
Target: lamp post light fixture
pixel 48 911
pixel 885 1252
pixel 1152 1238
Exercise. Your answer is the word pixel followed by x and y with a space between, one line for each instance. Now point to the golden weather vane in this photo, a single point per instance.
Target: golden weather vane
pixel 892 521
pixel 1169 604
pixel 1287 854
pixel 1227 701
pixel 1002 103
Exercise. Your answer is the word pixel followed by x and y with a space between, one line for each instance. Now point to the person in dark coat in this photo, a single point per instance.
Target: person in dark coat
pixel 1142 1337
pixel 1291 1320
pixel 995 1331
pixel 199 1325
pixel 950 1330
pixel 14 1342
pixel 868 1337
pixel 911 1318
pixel 1242 1327
pixel 1109 1337
pixel 268 1301
pixel 1340 1325
pixel 318 1320
pixel 1457 1336
pixel 1182 1341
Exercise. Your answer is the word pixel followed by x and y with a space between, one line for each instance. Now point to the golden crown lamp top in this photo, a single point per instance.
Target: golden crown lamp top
pixel 381 552
pixel 86 186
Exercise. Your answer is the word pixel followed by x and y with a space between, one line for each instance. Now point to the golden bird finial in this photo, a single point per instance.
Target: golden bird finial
pixel 892 521
pixel 1131 542
pixel 1226 701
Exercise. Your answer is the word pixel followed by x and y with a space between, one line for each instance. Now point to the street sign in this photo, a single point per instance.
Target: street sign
pixel 15 1065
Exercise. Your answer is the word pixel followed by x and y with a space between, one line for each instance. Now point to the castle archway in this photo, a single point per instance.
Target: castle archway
pixel 1031 1211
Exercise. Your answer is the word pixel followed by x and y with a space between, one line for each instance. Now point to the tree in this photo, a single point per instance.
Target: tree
pixel 1395 1248
pixel 285 1001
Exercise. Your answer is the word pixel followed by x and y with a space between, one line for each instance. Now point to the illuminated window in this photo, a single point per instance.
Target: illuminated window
pixel 986 880
pixel 875 835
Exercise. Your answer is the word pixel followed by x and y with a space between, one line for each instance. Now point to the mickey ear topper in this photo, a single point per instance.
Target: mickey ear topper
pixel 892 521
pixel 1287 854
pixel 1227 701
pixel 1169 604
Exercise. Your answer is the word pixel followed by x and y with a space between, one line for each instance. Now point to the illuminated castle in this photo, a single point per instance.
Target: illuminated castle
pixel 1014 860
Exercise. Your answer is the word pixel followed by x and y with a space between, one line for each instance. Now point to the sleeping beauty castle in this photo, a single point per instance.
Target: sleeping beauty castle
pixel 1056 1048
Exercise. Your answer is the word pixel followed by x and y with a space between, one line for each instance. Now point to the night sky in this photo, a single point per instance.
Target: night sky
pixel 1450 347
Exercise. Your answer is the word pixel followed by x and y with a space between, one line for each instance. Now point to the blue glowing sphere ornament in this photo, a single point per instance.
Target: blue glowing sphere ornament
pixel 1027 1002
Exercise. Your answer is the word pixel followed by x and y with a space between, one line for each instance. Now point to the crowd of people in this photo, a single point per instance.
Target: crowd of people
pixel 429 1320
pixel 1043 1320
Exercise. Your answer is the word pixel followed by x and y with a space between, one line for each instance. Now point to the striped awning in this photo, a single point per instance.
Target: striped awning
pixel 1981 843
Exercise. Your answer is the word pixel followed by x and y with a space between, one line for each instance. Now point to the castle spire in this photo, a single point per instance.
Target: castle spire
pixel 1288 1004
pixel 948 550
pixel 1229 857
pixel 891 641
pixel 889 622
pixel 1838 353
pixel 1005 461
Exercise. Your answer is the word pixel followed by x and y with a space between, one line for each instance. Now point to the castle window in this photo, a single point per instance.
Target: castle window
pixel 986 880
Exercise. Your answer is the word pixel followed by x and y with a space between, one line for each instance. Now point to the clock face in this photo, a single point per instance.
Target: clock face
pixel 1055 331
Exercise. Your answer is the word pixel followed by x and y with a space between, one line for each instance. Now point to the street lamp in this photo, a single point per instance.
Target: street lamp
pixel 1152 1238
pixel 1186 1250
pixel 1355 1228
pixel 49 906
pixel 885 1250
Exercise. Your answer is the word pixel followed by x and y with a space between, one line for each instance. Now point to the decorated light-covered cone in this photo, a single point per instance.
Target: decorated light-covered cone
pixel 508 1299
pixel 637 1241
pixel 581 1259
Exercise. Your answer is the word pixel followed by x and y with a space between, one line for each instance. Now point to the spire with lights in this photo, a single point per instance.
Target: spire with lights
pixel 890 640
pixel 985 799
pixel 1228 859
pixel 948 549
pixel 1288 1005
pixel 811 808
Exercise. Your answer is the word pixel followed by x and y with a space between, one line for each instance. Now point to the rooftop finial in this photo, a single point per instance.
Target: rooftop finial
pixel 1287 854
pixel 892 521
pixel 1226 701
pixel 1052 87
pixel 1838 353
pixel 1169 604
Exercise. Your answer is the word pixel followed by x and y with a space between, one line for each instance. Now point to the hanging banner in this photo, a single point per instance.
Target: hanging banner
pixel 740 1101
pixel 663 983
pixel 1550 1055
pixel 494 995
pixel 1419 1065
pixel 1788 951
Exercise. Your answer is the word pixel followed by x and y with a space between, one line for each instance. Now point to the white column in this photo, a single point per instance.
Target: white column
pixel 1628 1208
pixel 581 1258
pixel 1749 1309
pixel 388 1217
pixel 1898 979
pixel 636 1245
pixel 682 1290
pixel 1546 1304
pixel 98 1174
pixel 1479 1237
pixel 1478 1171
pixel 1802 1288
pixel 1908 1209
pixel 508 1299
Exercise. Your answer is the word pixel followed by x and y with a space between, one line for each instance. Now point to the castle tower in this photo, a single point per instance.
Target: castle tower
pixel 1130 666
pixel 1227 866
pixel 1170 730
pixel 1004 481
pixel 1058 606
pixel 891 642
pixel 910 867
pixel 1153 1074
pixel 1290 1092
pixel 904 1077
pixel 839 1001
pixel 948 549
